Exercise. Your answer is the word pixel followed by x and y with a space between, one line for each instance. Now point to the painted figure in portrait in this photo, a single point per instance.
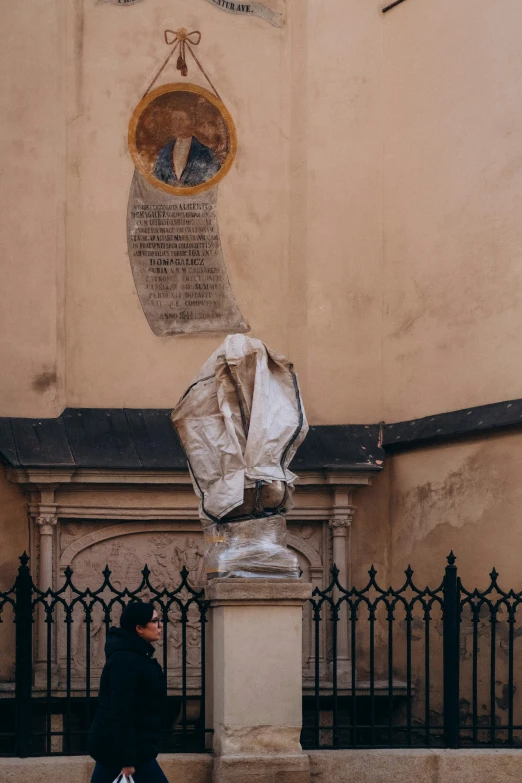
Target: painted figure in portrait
pixel 182 138
pixel 184 160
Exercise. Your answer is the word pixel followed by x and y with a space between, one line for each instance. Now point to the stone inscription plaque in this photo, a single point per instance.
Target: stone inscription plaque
pixel 183 142
pixel 177 262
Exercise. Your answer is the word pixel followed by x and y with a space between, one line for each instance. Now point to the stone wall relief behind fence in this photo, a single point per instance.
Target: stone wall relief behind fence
pixel 126 550
pixel 126 547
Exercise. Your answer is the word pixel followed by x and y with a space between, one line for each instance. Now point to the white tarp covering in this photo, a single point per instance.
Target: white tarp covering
pixel 240 422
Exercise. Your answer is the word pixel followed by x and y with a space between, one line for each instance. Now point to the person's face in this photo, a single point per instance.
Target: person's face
pixel 181 124
pixel 152 631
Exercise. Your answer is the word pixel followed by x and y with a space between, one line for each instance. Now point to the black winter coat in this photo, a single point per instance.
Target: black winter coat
pixel 131 703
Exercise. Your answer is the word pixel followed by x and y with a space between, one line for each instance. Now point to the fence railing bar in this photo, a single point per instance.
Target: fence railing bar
pixel 203 706
pixel 451 653
pixel 48 675
pixel 408 678
pixel 389 618
pixel 511 684
pixel 474 673
pixel 88 623
pixel 184 673
pixel 67 738
pixel 372 675
pixel 492 676
pixel 24 657
pixel 427 679
pixel 165 624
pixel 335 623
pixel 317 640
pixel 353 637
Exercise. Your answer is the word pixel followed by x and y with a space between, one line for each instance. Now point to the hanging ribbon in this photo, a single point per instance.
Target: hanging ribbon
pixel 184 40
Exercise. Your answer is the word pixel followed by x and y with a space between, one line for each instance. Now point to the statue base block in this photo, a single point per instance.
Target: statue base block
pixel 255 680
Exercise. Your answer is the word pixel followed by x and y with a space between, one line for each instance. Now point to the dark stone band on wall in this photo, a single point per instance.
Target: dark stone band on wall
pixel 481 420
pixel 144 439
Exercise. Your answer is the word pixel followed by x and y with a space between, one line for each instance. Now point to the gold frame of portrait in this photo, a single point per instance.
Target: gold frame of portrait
pixel 181 87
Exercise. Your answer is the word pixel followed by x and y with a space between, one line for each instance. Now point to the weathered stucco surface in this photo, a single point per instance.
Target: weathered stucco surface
pixel 452 197
pixel 369 224
pixel 463 496
pixel 13 518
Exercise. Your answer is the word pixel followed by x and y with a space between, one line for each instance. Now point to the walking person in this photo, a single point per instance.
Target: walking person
pixel 125 733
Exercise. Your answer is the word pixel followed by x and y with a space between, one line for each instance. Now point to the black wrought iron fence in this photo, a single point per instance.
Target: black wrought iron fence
pixel 408 667
pixel 415 667
pixel 58 641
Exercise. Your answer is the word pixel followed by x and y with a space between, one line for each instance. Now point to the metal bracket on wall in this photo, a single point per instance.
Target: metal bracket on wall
pixel 392 5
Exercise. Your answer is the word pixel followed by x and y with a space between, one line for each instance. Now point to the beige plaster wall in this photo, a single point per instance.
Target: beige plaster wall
pixel 452 136
pixel 304 163
pixel 306 150
pixel 113 357
pixel 32 208
pixel 13 518
pixel 340 250
pixel 369 224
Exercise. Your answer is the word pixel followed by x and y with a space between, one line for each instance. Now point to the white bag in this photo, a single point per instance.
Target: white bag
pixel 123 779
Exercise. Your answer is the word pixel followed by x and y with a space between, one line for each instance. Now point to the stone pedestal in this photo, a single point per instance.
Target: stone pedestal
pixel 256 680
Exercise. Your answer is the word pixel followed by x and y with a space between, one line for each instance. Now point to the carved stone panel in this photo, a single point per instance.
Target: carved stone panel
pixel 126 547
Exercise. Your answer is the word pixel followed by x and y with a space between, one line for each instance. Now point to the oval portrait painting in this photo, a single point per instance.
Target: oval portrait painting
pixel 182 138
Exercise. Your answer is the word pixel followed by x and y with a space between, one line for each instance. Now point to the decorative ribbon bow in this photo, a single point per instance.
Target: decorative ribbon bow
pixel 183 38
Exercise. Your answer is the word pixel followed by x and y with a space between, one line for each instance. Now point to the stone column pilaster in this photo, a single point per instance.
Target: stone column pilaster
pixel 340 525
pixel 46 525
pixel 256 679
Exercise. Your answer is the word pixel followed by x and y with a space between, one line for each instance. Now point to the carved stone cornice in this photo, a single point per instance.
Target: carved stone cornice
pixel 39 477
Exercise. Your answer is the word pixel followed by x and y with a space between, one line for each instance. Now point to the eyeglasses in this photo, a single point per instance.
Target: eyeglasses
pixel 156 620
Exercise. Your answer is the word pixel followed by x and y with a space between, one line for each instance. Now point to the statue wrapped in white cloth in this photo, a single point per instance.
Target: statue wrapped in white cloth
pixel 240 422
